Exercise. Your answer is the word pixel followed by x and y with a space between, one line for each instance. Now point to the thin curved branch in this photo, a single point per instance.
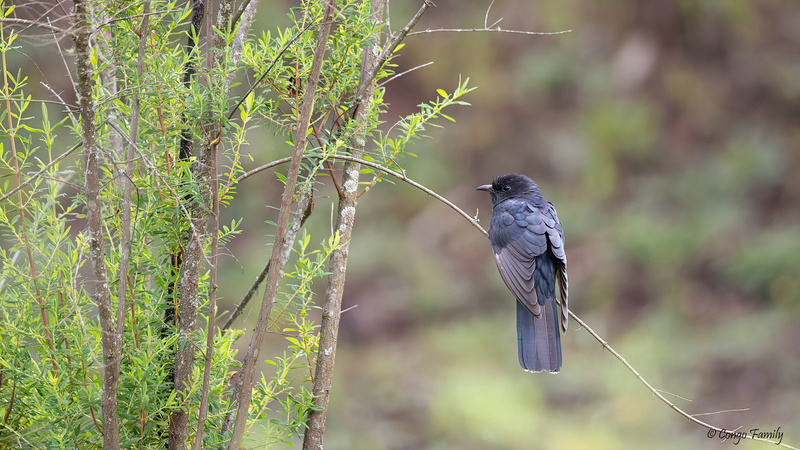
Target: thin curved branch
pixel 658 394
pixel 398 175
pixel 32 23
pixel 266 166
pixel 493 28
pixel 41 171
pixel 604 343
pixel 405 72
pixel 488 30
pixel 48 102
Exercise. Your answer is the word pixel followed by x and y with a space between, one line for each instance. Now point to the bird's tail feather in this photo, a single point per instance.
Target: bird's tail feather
pixel 539 338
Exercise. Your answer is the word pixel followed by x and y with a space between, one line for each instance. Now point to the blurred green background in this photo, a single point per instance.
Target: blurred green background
pixel 667 134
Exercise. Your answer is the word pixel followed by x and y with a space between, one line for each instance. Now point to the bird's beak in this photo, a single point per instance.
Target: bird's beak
pixel 485 187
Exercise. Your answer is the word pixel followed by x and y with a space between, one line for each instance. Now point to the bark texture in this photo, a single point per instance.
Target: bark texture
pixel 97 284
pixel 244 380
pixel 193 256
pixel 345 218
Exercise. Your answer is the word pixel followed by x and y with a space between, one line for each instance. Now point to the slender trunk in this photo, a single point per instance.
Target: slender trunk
pixel 244 380
pixel 213 131
pixel 127 186
pixel 332 306
pixel 100 291
pixel 190 262
pixel 193 258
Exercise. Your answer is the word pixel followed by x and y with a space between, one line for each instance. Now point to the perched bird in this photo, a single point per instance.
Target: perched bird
pixel 528 244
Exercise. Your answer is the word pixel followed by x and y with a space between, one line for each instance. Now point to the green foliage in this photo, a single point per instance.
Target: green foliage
pixel 411 127
pixel 50 346
pixel 286 396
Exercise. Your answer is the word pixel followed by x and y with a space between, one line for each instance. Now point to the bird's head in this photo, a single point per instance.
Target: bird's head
pixel 510 185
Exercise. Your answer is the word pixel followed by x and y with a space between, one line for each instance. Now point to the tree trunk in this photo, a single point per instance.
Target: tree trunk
pixel 244 380
pixel 98 281
pixel 345 218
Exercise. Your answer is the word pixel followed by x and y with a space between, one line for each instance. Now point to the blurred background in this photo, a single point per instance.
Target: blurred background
pixel 667 134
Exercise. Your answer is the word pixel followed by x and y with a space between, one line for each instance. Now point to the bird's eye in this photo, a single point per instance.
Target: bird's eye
pixel 506 187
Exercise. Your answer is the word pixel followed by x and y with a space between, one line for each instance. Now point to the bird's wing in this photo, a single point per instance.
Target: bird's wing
pixel 519 235
pixel 518 276
pixel 555 234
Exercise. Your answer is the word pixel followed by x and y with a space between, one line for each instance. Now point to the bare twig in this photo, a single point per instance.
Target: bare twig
pixel 35 100
pixel 386 53
pixel 405 72
pixel 264 167
pixel 493 28
pixel 32 23
pixel 45 13
pixel 486 16
pixel 69 75
pixel 713 413
pixel 244 379
pixel 496 29
pixel 237 311
pixel 691 417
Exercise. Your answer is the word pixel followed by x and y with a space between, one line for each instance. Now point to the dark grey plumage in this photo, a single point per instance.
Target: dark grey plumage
pixel 528 244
